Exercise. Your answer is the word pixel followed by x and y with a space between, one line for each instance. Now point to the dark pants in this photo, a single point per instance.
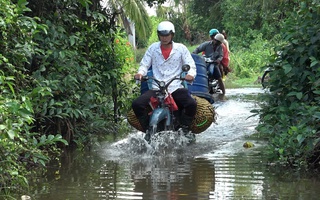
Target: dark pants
pixel 214 71
pixel 181 96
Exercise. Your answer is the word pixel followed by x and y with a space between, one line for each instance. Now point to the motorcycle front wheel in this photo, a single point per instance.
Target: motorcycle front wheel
pixel 151 131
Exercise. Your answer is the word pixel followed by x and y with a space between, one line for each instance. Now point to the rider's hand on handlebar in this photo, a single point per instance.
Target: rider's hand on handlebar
pixel 189 78
pixel 138 77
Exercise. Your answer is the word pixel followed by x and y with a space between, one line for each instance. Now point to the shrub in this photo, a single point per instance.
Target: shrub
pixel 290 114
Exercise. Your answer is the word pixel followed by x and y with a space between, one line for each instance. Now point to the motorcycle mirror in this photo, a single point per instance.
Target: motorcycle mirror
pixel 185 67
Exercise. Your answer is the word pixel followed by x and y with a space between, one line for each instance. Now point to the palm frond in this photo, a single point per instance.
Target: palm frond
pixel 132 11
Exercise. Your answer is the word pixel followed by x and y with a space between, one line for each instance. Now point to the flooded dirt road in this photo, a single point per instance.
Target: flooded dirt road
pixel 217 166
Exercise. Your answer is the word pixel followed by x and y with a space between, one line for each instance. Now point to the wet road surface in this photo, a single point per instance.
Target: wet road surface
pixel 217 166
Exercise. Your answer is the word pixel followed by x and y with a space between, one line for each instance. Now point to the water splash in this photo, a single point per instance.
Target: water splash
pixel 166 143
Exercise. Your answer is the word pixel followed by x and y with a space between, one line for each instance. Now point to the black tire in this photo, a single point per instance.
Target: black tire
pixel 265 78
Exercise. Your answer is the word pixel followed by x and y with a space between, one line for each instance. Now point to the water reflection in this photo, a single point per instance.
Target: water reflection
pixel 238 175
pixel 183 179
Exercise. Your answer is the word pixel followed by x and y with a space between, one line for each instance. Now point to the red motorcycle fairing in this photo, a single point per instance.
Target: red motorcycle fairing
pixel 168 101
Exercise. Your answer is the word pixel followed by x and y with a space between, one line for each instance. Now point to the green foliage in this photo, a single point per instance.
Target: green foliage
pixel 289 116
pixel 127 66
pixel 241 19
pixel 154 35
pixel 61 75
pixel 139 54
pixel 129 12
pixel 86 71
pixel 124 52
pixel 20 148
pixel 241 16
pixel 205 15
pixel 248 61
pixel 153 38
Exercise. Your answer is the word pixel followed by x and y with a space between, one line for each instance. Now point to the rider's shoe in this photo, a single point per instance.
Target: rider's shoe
pixel 185 127
pixel 144 122
pixel 191 137
pixel 188 134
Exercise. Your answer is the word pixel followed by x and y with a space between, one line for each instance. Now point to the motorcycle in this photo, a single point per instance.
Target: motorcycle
pixel 163 115
pixel 164 112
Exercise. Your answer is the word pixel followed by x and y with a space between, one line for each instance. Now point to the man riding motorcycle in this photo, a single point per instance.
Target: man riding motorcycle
pixel 166 58
pixel 213 49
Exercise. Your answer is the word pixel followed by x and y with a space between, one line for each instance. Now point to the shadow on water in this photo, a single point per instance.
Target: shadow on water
pixel 217 166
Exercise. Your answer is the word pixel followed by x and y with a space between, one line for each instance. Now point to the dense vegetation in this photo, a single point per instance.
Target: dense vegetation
pixel 65 67
pixel 290 115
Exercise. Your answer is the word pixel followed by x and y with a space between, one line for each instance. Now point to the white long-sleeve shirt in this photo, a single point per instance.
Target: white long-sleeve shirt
pixel 165 70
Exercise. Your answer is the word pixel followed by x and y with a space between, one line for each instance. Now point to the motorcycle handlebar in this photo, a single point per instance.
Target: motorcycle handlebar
pixel 145 78
pixel 185 69
pixel 161 84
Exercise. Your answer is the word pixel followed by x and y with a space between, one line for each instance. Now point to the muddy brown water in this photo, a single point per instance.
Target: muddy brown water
pixel 217 166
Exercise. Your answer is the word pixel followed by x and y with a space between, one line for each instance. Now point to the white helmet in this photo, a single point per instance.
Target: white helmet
pixel 219 37
pixel 165 28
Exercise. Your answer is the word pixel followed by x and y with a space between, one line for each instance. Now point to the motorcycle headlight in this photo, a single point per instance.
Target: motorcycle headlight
pixel 162 84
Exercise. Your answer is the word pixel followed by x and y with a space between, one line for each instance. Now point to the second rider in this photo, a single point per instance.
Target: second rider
pixel 213 49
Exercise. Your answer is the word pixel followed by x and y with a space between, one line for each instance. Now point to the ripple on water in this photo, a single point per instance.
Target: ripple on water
pixel 239 172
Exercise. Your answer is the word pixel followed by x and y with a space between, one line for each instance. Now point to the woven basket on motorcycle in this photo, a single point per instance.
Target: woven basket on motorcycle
pixel 133 120
pixel 205 116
